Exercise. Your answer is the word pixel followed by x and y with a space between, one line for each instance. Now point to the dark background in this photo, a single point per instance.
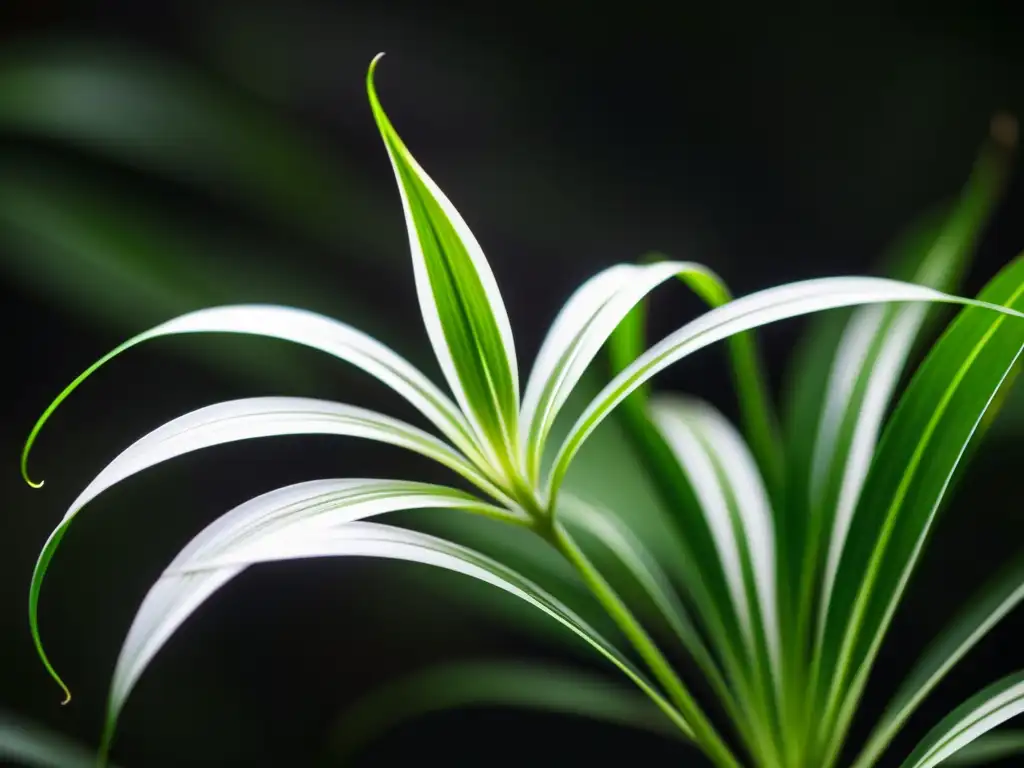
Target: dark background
pixel 771 145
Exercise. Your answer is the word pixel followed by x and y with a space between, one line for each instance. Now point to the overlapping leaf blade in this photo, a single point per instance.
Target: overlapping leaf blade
pixel 459 299
pixel 244 420
pixel 729 536
pixel 979 616
pixel 920 450
pixel 846 366
pixel 316 519
pixel 584 326
pixel 984 711
pixel 309 329
pixel 743 314
pixel 872 355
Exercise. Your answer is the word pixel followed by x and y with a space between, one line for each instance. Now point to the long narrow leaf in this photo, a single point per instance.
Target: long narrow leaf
pixel 309 329
pixel 459 298
pixel 545 687
pixel 830 434
pixel 740 315
pixel 317 519
pixel 981 713
pixel 648 572
pixel 735 512
pixel 871 358
pixel 583 327
pixel 920 451
pixel 981 614
pixel 244 420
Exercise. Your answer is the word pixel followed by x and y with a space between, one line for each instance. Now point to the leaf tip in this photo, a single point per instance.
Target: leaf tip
pixel 24 468
pixel 370 72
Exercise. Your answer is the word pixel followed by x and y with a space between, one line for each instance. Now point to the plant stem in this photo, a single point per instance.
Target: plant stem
pixel 704 732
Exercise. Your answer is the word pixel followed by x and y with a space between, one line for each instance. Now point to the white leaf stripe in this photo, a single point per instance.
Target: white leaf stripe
pixel 476 313
pixel 896 341
pixel 681 436
pixel 982 613
pixel 539 400
pixel 987 710
pixel 854 347
pixel 743 314
pixel 585 325
pixel 732 466
pixel 248 419
pixel 312 330
pixel 850 621
pixel 319 519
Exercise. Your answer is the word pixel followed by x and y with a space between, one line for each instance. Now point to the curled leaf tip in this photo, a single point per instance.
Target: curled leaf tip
pixel 67 696
pixel 1004 129
pixel 24 470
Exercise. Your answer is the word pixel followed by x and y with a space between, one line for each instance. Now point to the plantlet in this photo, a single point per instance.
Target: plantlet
pixel 794 551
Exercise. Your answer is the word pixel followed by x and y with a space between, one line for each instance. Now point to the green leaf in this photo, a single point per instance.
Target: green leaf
pixel 583 326
pixel 630 552
pixel 920 450
pixel 460 302
pixel 108 254
pixel 640 563
pixel 853 372
pixel 981 614
pixel 319 519
pixel 756 413
pixel 729 537
pixel 309 329
pixel 743 314
pixel 546 687
pixel 245 420
pixel 979 714
pixel 736 511
pixel 988 748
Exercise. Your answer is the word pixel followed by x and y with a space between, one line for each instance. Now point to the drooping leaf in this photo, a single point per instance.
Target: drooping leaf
pixel 981 613
pixel 459 299
pixel 984 711
pixel 530 685
pixel 745 313
pixel 583 327
pixel 245 420
pixel 757 415
pixel 317 519
pixel 309 329
pixel 921 448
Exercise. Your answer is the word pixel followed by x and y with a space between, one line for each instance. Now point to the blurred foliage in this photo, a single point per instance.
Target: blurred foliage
pixel 136 188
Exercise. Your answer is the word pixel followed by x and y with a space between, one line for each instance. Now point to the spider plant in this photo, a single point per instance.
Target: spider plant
pixel 794 545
